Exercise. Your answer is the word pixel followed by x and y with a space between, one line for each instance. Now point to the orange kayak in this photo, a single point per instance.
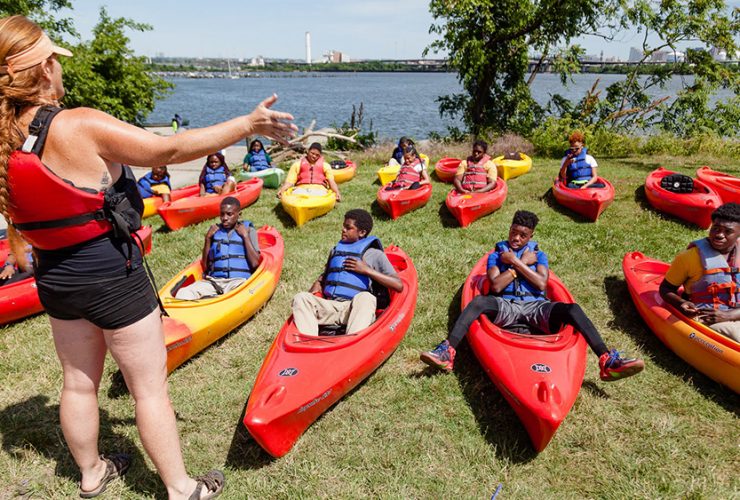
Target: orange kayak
pixel 468 207
pixel 713 354
pixel 539 375
pixel 728 186
pixel 152 204
pixel 589 202
pixel 193 325
pixel 446 168
pixel 695 207
pixel 191 210
pixel 294 386
pixel 402 201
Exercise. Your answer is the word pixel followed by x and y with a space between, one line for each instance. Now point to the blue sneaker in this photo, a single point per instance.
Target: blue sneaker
pixel 441 357
pixel 614 367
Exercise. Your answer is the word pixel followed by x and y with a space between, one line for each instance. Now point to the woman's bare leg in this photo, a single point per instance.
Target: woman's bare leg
pixel 140 353
pixel 81 350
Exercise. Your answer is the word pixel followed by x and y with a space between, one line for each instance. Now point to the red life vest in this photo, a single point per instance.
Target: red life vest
pixel 408 174
pixel 475 176
pixel 311 174
pixel 49 212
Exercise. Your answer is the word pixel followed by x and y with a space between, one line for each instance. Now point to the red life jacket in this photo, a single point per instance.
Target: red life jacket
pixel 475 176
pixel 49 212
pixel 408 174
pixel 311 174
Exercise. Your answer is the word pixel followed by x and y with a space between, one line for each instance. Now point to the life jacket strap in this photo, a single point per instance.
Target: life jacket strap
pixel 39 129
pixel 97 215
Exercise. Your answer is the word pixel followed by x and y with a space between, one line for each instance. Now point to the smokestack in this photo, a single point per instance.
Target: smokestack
pixel 308 47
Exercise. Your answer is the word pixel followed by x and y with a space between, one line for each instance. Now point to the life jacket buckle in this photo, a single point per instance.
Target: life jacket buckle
pixel 99 215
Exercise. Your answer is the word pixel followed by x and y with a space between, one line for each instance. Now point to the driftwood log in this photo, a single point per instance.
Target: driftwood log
pixel 299 146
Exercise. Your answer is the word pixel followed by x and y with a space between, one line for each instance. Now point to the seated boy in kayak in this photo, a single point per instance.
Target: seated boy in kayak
pixel 413 173
pixel 579 169
pixel 477 174
pixel 155 183
pixel 708 271
pixel 12 270
pixel 230 255
pixel 518 270
pixel 216 178
pixel 355 266
pixel 311 169
pixel 257 159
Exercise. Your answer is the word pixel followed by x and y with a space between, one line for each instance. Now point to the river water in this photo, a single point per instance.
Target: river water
pixel 396 103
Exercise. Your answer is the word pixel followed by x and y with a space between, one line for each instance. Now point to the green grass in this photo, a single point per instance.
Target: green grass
pixel 406 433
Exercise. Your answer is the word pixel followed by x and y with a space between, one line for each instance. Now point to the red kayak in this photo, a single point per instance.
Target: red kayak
pixel 589 202
pixel 20 300
pixel 446 168
pixel 152 204
pixel 191 210
pixel 539 375
pixel 726 185
pixel 302 376
pixel 468 207
pixel 402 201
pixel 695 207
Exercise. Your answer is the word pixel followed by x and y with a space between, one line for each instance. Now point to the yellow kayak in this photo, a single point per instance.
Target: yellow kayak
pixel 390 172
pixel 304 207
pixel 508 169
pixel 344 174
pixel 193 325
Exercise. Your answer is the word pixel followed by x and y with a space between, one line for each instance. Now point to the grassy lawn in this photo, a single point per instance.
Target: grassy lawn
pixel 407 432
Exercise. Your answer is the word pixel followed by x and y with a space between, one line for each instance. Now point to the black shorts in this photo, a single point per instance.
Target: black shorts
pixel 108 303
pixel 91 281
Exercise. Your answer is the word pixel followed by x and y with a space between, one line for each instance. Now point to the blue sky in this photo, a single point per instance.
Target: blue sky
pixel 364 29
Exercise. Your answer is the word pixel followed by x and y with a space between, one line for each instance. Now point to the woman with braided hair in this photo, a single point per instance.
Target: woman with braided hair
pixel 66 190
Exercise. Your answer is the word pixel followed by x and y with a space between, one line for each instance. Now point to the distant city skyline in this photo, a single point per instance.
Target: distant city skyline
pixel 370 29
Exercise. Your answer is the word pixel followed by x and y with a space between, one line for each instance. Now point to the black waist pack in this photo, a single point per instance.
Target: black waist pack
pixel 123 205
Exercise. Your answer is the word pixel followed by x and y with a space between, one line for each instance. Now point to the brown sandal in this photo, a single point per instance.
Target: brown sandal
pixel 214 481
pixel 115 467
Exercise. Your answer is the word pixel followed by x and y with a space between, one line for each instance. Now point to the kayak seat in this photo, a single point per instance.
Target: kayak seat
pixel 186 280
pixel 335 330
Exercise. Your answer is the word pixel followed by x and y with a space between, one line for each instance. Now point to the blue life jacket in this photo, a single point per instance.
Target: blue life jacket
pixel 520 289
pixel 258 161
pixel 719 286
pixel 398 155
pixel 340 284
pixel 579 171
pixel 214 177
pixel 227 257
pixel 146 182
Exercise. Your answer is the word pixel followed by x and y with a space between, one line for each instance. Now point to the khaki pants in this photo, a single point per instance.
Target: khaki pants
pixel 728 329
pixel 204 288
pixel 310 311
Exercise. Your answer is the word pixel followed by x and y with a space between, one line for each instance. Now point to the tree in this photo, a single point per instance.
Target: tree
pixel 105 74
pixel 488 43
pixel 707 22
pixel 43 12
